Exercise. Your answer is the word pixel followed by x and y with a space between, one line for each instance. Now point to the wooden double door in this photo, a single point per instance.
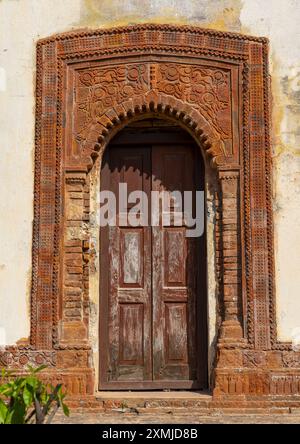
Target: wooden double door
pixel 153 315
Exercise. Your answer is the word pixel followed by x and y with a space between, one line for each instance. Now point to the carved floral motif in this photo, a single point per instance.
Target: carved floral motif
pixel 254 359
pixel 207 90
pixel 291 359
pixel 102 89
pixel 22 358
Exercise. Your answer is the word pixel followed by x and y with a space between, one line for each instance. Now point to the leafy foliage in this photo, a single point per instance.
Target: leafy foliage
pixel 27 400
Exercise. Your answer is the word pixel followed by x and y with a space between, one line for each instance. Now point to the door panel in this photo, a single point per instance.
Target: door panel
pixel 175 255
pixel 174 274
pixel 153 291
pixel 131 257
pixel 126 330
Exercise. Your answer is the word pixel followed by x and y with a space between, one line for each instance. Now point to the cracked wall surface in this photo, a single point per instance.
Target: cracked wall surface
pixel 23 22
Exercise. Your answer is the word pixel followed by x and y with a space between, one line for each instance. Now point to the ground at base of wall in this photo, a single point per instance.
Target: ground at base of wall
pixel 174 418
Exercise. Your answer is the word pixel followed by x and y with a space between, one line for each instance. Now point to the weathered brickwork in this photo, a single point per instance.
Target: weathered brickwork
pixel 215 85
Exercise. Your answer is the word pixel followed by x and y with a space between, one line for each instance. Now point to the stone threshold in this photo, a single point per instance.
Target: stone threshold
pixel 157 394
pixel 129 401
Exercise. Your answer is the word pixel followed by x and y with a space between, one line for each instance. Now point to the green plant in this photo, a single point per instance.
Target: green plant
pixel 27 400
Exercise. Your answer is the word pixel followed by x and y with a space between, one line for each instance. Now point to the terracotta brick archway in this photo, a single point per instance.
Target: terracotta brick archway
pixel 153 104
pixel 90 84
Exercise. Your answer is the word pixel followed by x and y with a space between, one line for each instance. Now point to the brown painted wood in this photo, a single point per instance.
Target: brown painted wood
pixel 176 284
pixel 125 275
pixel 153 326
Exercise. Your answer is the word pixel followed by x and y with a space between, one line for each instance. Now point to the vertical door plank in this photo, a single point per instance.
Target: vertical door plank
pixel 175 278
pixel 127 326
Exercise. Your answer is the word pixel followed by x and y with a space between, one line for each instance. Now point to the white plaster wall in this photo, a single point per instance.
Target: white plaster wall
pixel 279 21
pixel 22 22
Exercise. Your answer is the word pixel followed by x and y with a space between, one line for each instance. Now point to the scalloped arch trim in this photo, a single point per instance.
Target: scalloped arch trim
pixel 160 105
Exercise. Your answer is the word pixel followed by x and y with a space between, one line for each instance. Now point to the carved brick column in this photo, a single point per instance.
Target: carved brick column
pixel 231 329
pixel 74 329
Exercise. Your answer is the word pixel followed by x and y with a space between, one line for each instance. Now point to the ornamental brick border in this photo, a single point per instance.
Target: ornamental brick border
pixel 89 85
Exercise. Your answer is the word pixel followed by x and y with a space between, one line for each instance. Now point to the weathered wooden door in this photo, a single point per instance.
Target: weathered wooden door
pixel 153 316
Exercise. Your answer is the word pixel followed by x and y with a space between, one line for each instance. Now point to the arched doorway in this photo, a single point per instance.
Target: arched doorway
pixel 153 297
pixel 90 85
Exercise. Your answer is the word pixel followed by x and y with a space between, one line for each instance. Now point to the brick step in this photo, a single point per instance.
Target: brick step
pixel 207 411
pixel 154 400
pixel 201 403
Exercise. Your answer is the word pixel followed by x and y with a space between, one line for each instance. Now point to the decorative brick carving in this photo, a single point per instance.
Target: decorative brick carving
pixel 196 95
pixel 254 359
pixel 206 89
pixel 291 359
pixel 90 84
pixel 231 329
pixel 20 358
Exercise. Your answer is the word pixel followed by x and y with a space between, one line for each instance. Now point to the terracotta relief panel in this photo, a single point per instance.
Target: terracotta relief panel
pixel 99 91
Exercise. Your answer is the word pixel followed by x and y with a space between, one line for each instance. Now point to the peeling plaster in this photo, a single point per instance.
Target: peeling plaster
pixel 219 14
